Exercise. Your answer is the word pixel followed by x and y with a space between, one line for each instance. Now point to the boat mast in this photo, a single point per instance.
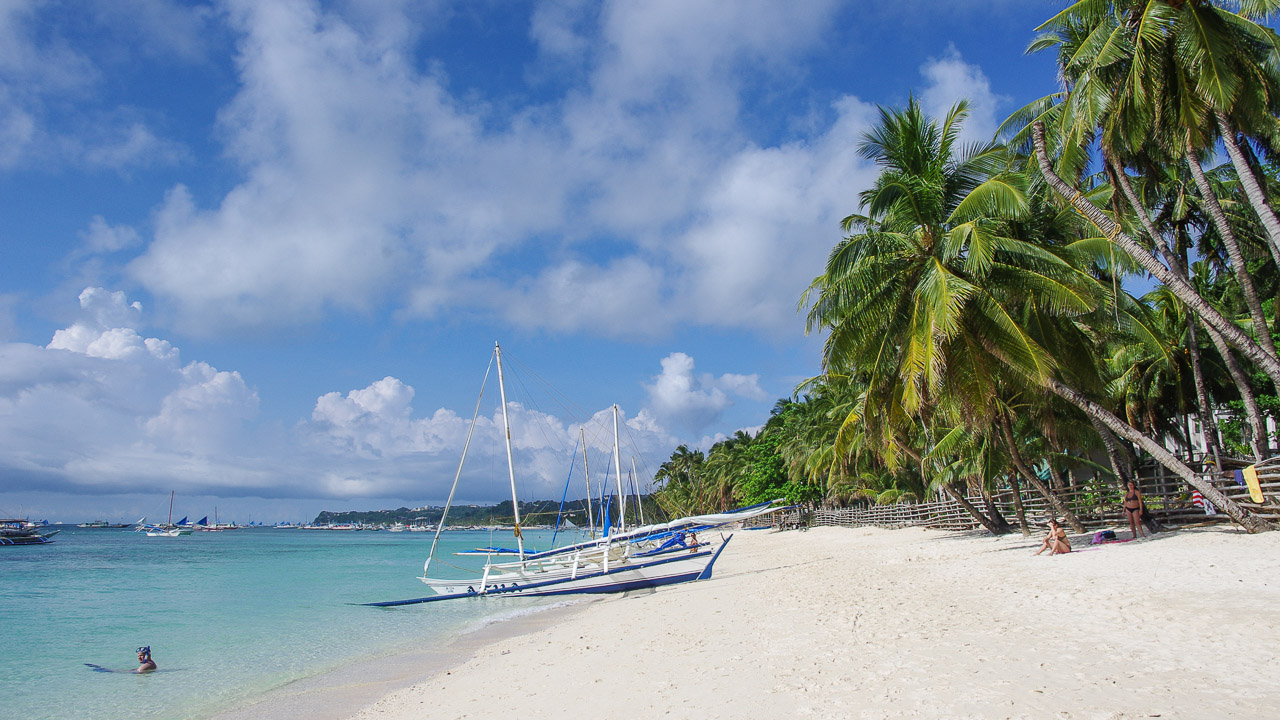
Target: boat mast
pixel 586 471
pixel 617 468
pixel 170 523
pixel 511 468
pixel 635 478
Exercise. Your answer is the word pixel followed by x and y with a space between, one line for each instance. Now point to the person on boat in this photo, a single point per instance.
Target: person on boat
pixel 1133 509
pixel 145 663
pixel 693 542
pixel 1056 541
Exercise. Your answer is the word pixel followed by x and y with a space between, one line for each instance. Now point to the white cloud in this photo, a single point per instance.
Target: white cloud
pixel 131 145
pixel 680 399
pixel 951 79
pixel 104 410
pixel 50 110
pixel 104 238
pixel 634 201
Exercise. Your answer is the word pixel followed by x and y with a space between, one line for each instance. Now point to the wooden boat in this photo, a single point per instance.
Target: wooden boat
pixel 16 531
pixel 645 557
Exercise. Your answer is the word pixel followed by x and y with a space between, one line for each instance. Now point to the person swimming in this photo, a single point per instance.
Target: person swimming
pixel 145 663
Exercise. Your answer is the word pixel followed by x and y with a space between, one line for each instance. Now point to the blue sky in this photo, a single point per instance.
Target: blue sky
pixel 258 252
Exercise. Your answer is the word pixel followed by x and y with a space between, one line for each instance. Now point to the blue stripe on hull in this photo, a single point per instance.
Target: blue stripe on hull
pixel 616 587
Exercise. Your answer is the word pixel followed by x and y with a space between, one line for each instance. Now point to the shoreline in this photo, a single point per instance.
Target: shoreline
pixel 904 623
pixel 344 691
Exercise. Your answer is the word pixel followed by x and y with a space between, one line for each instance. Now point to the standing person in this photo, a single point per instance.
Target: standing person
pixel 1056 541
pixel 145 663
pixel 1133 509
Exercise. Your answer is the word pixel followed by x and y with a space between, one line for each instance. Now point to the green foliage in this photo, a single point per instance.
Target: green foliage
pixel 969 313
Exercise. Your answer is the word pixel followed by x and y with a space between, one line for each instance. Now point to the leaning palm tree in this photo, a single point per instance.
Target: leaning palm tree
pixel 1124 66
pixel 931 299
pixel 894 294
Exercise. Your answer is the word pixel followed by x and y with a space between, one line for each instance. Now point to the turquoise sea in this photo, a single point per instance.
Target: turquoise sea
pixel 228 615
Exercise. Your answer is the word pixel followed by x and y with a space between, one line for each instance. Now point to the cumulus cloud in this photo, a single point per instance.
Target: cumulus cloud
pixel 102 406
pixel 632 203
pixel 104 409
pixel 951 79
pixel 681 399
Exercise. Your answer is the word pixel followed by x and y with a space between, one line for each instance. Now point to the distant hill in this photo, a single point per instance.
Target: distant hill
pixel 539 512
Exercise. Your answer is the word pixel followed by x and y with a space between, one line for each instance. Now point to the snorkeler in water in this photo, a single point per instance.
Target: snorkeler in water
pixel 145 663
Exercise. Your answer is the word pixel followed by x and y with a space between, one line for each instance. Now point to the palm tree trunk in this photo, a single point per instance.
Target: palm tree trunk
pixel 1055 477
pixel 1018 510
pixel 1164 457
pixel 1269 363
pixel 1260 327
pixel 1253 416
pixel 993 512
pixel 963 502
pixel 1248 181
pixel 1178 267
pixel 1060 508
pixel 1118 466
pixel 1208 426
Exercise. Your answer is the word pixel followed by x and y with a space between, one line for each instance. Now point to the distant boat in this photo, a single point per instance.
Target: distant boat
pixel 15 531
pixel 168 529
pixel 105 524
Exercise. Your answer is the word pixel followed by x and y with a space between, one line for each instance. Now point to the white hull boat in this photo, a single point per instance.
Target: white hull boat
pixel 649 556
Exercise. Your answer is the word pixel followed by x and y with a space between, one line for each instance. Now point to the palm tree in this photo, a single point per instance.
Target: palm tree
pixel 1115 59
pixel 894 295
pixel 926 294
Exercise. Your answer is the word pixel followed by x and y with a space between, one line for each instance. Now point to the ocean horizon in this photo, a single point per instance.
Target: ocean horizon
pixel 229 616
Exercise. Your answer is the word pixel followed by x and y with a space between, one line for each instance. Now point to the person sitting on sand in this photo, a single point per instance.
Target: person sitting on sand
pixel 1133 509
pixel 1056 541
pixel 145 663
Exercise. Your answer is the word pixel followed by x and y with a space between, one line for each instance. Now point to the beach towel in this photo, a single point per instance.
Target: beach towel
pixel 1251 480
pixel 1199 501
pixel 1102 536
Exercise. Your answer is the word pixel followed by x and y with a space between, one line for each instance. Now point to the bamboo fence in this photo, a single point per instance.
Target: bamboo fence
pixel 1097 504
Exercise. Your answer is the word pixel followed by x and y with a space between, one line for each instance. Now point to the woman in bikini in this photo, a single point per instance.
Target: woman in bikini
pixel 1133 509
pixel 1056 541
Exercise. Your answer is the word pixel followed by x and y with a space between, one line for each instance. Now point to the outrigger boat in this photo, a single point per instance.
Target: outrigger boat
pixel 168 529
pixel 15 531
pixel 644 557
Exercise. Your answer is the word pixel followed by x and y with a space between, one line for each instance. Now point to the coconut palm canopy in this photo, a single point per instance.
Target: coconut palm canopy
pixel 978 322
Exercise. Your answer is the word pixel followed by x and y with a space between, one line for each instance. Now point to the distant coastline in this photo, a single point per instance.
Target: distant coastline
pixel 532 513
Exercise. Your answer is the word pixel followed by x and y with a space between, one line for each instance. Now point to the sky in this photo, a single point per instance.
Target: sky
pixel 257 253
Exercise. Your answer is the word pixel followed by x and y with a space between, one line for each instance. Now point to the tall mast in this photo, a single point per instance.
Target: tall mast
pixel 170 508
pixel 617 468
pixel 511 468
pixel 586 471
pixel 635 478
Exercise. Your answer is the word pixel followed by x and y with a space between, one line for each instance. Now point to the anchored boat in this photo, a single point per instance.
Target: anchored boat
pixel 622 560
pixel 15 531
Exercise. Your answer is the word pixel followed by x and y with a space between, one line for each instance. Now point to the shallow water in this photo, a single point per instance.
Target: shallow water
pixel 228 615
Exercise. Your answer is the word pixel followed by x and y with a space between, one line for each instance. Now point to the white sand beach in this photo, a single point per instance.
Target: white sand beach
pixel 836 623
